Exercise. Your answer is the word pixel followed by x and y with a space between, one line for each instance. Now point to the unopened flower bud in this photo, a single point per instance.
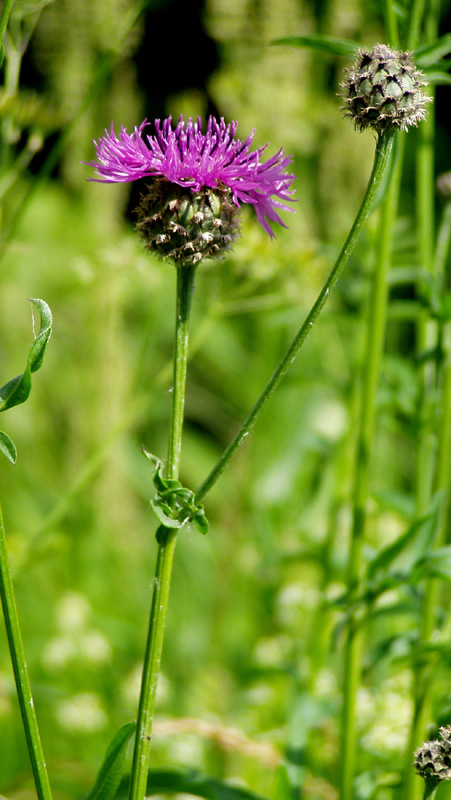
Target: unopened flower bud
pixel 384 89
pixel 433 759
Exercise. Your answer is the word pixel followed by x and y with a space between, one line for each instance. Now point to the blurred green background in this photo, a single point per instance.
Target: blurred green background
pixel 250 667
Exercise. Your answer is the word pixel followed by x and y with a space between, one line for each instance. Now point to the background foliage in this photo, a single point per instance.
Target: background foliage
pixel 252 659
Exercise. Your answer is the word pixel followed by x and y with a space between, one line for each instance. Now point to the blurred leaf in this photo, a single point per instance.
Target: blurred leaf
pixel 191 781
pixel 435 564
pixel 325 44
pixel 112 768
pixel 17 390
pixel 7 447
pixel 410 546
pixel 438 78
pixel 428 54
pixel 283 789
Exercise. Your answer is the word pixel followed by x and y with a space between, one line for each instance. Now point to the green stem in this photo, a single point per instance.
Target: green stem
pixel 383 149
pixel 4 17
pixel 20 673
pixel 166 547
pixel 429 436
pixel 430 790
pixel 374 348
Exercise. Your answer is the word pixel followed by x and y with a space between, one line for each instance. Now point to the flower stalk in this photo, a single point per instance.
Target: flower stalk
pixel 21 678
pixel 382 154
pixel 166 546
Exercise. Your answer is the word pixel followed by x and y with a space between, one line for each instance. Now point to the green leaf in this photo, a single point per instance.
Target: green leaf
pixel 37 349
pixel 438 78
pixel 16 391
pixel 325 44
pixel 174 504
pixel 7 447
pixel 428 54
pixel 112 768
pixel 409 547
pixel 435 564
pixel 191 781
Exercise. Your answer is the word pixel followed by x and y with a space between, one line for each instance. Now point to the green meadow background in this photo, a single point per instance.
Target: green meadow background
pixel 252 662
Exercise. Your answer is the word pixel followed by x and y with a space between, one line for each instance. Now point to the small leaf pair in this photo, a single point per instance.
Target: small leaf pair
pixel 173 504
pixel 16 391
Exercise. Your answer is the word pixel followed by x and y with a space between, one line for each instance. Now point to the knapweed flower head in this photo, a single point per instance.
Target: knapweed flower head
pixel 195 183
pixel 384 89
pixel 433 759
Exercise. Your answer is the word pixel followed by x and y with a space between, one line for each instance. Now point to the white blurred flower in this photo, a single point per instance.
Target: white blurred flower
pixel 82 712
pixel 95 647
pixel 72 612
pixel 329 419
pixel 58 652
pixel 272 651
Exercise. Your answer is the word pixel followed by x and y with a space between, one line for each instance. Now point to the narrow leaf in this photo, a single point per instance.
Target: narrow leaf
pixel 112 768
pixel 325 44
pixel 197 784
pixel 7 447
pixel 17 390
pixel 430 53
pixel 438 78
pixel 37 349
pixel 437 564
pixel 418 536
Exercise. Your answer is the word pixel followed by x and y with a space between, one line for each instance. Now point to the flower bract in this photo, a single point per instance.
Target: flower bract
pixel 384 89
pixel 194 160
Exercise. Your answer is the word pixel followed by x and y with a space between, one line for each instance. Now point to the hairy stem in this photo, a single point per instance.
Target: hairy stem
pixel 166 546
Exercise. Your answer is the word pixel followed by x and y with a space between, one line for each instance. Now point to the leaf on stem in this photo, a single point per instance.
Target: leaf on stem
pixel 17 390
pixel 112 768
pixel 192 782
pixel 325 44
pixel 173 504
pixel 7 447
pixel 429 54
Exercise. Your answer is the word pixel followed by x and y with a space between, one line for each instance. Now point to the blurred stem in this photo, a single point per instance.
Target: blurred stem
pixel 374 348
pixel 166 546
pixel 416 15
pixel 428 434
pixel 381 158
pixel 20 673
pixel 391 25
pixel 4 17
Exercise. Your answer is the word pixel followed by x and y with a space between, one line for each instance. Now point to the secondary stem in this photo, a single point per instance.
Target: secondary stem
pixel 20 673
pixel 428 438
pixel 375 338
pixel 166 547
pixel 383 149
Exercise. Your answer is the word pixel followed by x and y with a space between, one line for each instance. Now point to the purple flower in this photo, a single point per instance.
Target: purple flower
pixel 192 159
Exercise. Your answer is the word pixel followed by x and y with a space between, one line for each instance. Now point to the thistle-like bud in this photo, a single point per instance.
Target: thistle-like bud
pixel 184 226
pixel 385 89
pixel 433 759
